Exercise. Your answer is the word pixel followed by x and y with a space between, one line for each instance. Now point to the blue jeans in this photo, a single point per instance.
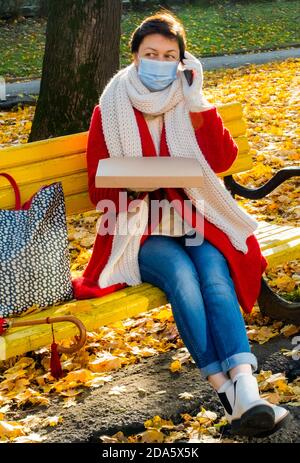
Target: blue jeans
pixel 198 285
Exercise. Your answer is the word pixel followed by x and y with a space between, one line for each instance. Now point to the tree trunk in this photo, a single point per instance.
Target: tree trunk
pixel 81 55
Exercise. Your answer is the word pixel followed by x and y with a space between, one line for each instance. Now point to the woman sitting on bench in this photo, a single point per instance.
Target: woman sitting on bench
pixel 152 108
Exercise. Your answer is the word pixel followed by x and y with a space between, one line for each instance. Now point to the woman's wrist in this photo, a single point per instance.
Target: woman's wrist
pixel 199 104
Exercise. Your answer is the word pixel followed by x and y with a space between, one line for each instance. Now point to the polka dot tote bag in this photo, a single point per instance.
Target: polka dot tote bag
pixel 34 254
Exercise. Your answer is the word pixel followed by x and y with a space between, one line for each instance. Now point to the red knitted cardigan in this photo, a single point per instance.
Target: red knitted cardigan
pixel 220 151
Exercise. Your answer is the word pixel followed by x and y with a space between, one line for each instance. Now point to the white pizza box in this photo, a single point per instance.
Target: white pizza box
pixel 148 172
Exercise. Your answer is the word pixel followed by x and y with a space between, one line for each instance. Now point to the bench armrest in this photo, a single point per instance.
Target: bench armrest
pixel 257 193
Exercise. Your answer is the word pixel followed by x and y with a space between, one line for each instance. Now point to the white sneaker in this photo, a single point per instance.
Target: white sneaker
pixel 248 414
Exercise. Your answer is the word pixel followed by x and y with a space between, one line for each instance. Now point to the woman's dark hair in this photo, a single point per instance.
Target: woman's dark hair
pixel 164 23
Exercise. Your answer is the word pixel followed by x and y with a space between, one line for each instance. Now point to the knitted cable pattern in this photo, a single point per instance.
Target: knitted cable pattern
pixel 123 92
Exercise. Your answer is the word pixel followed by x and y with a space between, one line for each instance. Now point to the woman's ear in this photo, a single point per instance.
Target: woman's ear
pixel 135 58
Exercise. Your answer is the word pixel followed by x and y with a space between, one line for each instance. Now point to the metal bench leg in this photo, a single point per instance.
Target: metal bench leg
pixel 275 307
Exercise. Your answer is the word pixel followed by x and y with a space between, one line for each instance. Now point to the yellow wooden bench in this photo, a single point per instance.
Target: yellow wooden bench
pixel 64 159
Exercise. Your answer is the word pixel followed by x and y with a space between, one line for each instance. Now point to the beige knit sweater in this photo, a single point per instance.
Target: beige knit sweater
pixel 171 223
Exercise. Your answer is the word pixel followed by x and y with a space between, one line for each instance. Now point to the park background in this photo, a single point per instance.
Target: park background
pixel 34 407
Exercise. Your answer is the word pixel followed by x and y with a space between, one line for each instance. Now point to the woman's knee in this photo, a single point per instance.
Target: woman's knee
pixel 212 266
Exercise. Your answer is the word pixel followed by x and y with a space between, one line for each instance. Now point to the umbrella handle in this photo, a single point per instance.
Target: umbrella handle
pixel 67 318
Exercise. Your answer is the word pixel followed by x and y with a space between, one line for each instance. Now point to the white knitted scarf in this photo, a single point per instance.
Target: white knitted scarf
pixel 124 91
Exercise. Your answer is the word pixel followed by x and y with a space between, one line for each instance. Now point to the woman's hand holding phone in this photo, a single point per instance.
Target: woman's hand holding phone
pixel 193 93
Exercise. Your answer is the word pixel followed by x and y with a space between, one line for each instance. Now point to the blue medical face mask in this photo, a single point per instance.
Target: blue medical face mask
pixel 157 75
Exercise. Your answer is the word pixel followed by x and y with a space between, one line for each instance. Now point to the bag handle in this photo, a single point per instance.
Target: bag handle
pixel 16 190
pixel 18 205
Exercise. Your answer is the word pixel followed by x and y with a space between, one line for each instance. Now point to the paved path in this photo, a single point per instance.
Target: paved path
pixel 21 91
pixel 233 61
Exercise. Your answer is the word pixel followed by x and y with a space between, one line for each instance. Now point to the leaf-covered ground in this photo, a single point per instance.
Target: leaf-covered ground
pixel 270 97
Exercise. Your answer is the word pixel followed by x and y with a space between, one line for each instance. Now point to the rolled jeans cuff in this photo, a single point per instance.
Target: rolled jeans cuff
pixel 238 359
pixel 211 369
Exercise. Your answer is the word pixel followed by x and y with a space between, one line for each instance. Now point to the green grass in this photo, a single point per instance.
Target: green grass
pixel 22 48
pixel 219 30
pixel 211 31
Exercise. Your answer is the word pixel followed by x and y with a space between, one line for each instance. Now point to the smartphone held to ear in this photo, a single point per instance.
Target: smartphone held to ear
pixel 189 76
pixel 187 72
